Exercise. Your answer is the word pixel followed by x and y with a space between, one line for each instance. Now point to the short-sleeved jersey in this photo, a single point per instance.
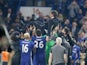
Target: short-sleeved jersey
pixel 40 44
pixel 39 55
pixel 75 52
pixel 26 48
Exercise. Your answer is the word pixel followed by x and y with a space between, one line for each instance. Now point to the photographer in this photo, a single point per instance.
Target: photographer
pixel 67 35
pixel 68 41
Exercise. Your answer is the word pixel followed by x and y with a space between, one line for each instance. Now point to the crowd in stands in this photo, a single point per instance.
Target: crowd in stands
pixel 72 20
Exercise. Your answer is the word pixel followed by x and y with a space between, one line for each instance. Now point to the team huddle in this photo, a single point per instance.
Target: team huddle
pixel 33 51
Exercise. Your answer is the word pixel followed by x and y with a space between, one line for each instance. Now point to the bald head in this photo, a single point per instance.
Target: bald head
pixel 58 40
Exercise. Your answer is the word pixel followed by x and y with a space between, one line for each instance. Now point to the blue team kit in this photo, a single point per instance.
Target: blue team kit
pixel 26 48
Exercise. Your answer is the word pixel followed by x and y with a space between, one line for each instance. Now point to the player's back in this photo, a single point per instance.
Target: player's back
pixel 26 48
pixel 39 55
pixel 75 52
pixel 40 44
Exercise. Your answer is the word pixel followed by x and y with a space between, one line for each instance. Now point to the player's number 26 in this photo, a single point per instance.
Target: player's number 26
pixel 39 45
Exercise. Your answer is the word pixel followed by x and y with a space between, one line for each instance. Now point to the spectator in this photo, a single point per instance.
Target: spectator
pixel 82 37
pixel 74 30
pixel 36 13
pixel 46 19
pixel 82 21
pixel 84 25
pixel 84 7
pixel 67 24
pixel 5 57
pixel 79 15
pixel 60 17
pixel 60 57
pixel 9 13
pixel 27 21
pixel 73 9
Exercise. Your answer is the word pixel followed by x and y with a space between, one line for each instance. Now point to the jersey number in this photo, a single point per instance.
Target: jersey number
pixel 25 48
pixel 39 45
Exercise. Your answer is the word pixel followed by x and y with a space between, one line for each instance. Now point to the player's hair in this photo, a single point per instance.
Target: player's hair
pixel 38 32
pixel 58 40
pixel 26 35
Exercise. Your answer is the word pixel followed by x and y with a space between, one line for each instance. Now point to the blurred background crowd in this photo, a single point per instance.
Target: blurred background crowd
pixel 70 15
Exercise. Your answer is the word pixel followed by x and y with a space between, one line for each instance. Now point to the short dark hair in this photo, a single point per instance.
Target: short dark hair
pixel 67 30
pixel 38 32
pixel 54 13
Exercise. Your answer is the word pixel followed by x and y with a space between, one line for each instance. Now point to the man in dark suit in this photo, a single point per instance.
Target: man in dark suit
pixel 53 21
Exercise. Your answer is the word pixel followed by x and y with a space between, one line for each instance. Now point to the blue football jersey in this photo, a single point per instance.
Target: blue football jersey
pixel 75 53
pixel 26 48
pixel 39 55
pixel 40 44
